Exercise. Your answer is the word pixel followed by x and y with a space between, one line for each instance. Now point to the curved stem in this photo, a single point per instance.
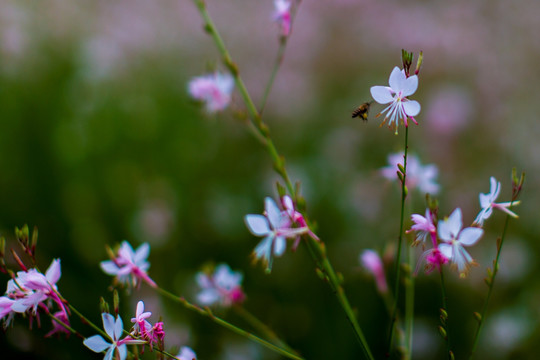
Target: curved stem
pixel 262 328
pixel 208 313
pixel 400 240
pixel 490 281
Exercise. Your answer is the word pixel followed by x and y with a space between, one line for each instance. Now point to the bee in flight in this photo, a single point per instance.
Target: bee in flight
pixel 362 111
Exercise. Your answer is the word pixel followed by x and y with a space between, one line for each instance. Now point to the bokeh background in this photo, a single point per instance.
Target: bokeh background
pixel 99 142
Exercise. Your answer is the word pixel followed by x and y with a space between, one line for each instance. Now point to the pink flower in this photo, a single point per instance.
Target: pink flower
pixel 424 227
pixel 142 326
pixel 213 89
pixel 130 266
pixel 372 262
pixel 224 287
pixel 419 176
pixel 400 107
pixel 296 218
pixel 455 239
pixel 487 202
pixel 434 259
pixel 5 309
pixel 275 226
pixel 282 15
pixel 58 327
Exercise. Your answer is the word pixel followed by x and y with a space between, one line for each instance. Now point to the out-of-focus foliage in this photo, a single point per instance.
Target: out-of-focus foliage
pixel 99 143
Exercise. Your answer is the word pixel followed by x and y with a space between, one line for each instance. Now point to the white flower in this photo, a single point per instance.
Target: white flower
pixel 275 226
pixel 114 329
pixel 186 353
pixel 487 202
pixel 130 266
pixel 213 89
pixel 419 176
pixel 400 107
pixel 455 239
pixel 223 287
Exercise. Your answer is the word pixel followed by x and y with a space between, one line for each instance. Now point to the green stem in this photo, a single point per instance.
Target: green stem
pixel 409 305
pixel 400 240
pixel 316 248
pixel 207 313
pixel 85 320
pixel 262 328
pixel 445 308
pixel 491 282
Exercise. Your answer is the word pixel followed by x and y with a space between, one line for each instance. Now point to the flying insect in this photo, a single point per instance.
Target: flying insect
pixel 362 111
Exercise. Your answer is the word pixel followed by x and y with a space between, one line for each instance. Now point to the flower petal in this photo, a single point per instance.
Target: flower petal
pixel 96 343
pixel 279 245
pixel 257 224
pixel 397 79
pixel 446 250
pixel 272 213
pixel 448 229
pixel 118 328
pixel 122 351
pixel 109 267
pixel 381 94
pixel 470 236
pixel 108 324
pixel 54 272
pixel 410 85
pixel 142 253
pixel 411 107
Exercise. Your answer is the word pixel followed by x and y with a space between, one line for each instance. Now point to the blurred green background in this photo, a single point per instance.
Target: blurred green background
pixel 99 142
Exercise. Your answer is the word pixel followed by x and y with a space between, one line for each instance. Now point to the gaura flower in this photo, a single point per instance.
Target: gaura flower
pixel 372 262
pixel 422 177
pixel 296 218
pixel 142 326
pixel 214 90
pixel 223 287
pixel 455 239
pixel 130 266
pixel 424 227
pixel 487 202
pixel 114 330
pixel 400 108
pixel 186 353
pixel 282 15
pixel 275 226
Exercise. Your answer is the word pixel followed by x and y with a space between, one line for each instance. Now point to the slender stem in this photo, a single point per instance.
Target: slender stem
pixel 490 282
pixel 262 328
pixel 400 240
pixel 69 328
pixel 409 305
pixel 208 313
pixel 277 64
pixel 445 308
pixel 316 249
pixel 85 319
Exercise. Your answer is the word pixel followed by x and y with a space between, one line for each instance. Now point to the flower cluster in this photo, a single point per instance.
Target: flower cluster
pixel 422 177
pixel 31 290
pixel 130 267
pixel 448 237
pixel 223 287
pixel 276 225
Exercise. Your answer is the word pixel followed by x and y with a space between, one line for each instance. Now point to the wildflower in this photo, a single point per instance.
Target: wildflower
pixel 487 202
pixel 372 262
pixel 223 287
pixel 31 288
pixel 114 330
pixel 130 266
pixel 186 353
pixel 296 218
pixel 282 15
pixel 423 226
pixel 455 239
pixel 5 309
pixel 142 326
pixel 213 89
pixel 400 107
pixel 58 327
pixel 418 176
pixel 434 259
pixel 275 226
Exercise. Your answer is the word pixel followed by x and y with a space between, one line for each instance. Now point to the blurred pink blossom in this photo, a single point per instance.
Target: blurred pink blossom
pixel 223 287
pixel 213 89
pixel 418 176
pixel 372 262
pixel 282 15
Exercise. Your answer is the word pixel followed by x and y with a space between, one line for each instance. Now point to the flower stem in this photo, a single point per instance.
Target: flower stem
pixel 316 249
pixel 262 328
pixel 490 282
pixel 208 313
pixel 444 315
pixel 85 320
pixel 400 240
pixel 409 305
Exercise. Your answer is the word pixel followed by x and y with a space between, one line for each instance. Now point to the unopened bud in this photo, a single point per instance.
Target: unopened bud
pixel 443 333
pixel 419 63
pixel 34 238
pixel 103 306
pixel 477 316
pixel 2 247
pixel 116 302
